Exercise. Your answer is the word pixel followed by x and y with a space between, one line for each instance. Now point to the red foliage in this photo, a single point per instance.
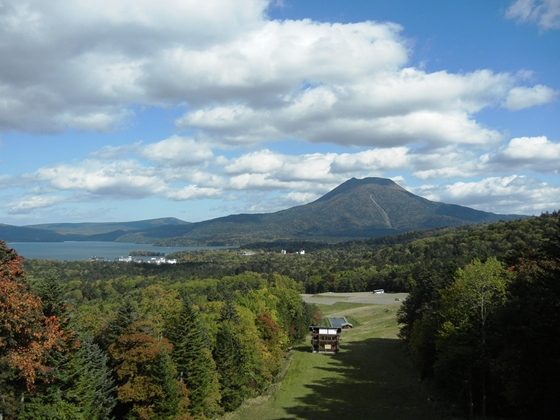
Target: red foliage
pixel 142 362
pixel 267 327
pixel 26 335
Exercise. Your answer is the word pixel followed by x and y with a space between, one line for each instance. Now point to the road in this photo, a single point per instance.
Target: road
pixel 355 297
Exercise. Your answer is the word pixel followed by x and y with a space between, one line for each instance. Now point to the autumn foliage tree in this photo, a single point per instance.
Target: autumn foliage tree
pixel 148 385
pixel 27 335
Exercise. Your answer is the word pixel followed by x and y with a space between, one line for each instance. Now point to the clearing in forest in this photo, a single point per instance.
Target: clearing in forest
pixel 370 378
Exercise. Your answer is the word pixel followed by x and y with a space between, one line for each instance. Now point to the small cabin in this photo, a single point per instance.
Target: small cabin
pixel 325 339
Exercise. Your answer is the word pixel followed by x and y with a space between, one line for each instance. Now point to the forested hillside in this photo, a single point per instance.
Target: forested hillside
pixel 480 323
pixel 143 348
pixel 487 337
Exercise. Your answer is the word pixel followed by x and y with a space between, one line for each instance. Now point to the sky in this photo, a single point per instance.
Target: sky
pixel 121 110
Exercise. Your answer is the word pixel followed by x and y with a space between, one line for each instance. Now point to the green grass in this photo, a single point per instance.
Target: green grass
pixel 340 307
pixel 370 378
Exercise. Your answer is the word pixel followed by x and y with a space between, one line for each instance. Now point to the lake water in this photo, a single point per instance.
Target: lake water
pixel 76 251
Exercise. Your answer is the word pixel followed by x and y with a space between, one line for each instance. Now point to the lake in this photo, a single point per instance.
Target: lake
pixel 76 251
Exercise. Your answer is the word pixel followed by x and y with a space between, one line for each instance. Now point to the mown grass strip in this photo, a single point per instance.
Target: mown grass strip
pixel 370 378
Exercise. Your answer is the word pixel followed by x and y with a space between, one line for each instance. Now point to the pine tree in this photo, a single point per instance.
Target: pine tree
pixel 230 364
pixel 193 360
pixel 124 318
pixel 51 292
pixel 51 398
pixel 94 389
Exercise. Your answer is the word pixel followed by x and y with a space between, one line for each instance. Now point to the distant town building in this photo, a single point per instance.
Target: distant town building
pixel 247 253
pixel 157 261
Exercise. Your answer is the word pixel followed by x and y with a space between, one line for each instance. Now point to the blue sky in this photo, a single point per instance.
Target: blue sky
pixel 116 110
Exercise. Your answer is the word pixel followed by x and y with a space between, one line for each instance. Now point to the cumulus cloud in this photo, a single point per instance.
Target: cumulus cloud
pixel 192 192
pixel 177 151
pixel 244 79
pixel 545 13
pixel 267 180
pixel 26 205
pixel 525 97
pixel 512 194
pixel 378 109
pixel 81 64
pixel 263 161
pixel 537 154
pixel 371 160
pixel 122 179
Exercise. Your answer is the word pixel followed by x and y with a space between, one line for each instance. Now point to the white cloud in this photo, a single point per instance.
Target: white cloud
pixel 377 110
pixel 506 195
pixel 95 121
pixel 275 181
pixel 74 62
pixel 537 154
pixel 545 13
pixel 525 97
pixel 263 161
pixel 193 192
pixel 178 151
pixel 122 179
pixel 26 205
pixel 244 79
pixel 371 160
pixel 115 152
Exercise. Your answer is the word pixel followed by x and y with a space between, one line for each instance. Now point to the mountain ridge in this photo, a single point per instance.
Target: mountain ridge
pixel 357 208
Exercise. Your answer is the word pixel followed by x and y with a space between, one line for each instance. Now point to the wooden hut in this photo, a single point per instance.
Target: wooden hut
pixel 325 339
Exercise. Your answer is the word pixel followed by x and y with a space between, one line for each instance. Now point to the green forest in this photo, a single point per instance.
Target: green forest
pixel 103 340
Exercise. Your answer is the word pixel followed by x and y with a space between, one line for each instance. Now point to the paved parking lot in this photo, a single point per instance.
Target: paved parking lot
pixel 356 297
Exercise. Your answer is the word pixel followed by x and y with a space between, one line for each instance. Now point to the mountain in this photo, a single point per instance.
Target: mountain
pixel 58 232
pixel 102 228
pixel 11 233
pixel 358 208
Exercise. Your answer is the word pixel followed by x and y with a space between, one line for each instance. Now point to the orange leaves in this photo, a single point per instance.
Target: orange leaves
pixel 137 351
pixel 26 335
pixel 147 375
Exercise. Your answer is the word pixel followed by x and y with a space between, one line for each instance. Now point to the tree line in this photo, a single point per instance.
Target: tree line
pixel 486 338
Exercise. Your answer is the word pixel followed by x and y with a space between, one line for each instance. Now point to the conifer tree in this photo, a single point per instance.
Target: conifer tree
pixel 124 318
pixel 193 360
pixel 51 398
pixel 231 360
pixel 94 389
pixel 230 364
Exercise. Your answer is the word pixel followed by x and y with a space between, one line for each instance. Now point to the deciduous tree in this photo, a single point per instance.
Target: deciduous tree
pixel 26 334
